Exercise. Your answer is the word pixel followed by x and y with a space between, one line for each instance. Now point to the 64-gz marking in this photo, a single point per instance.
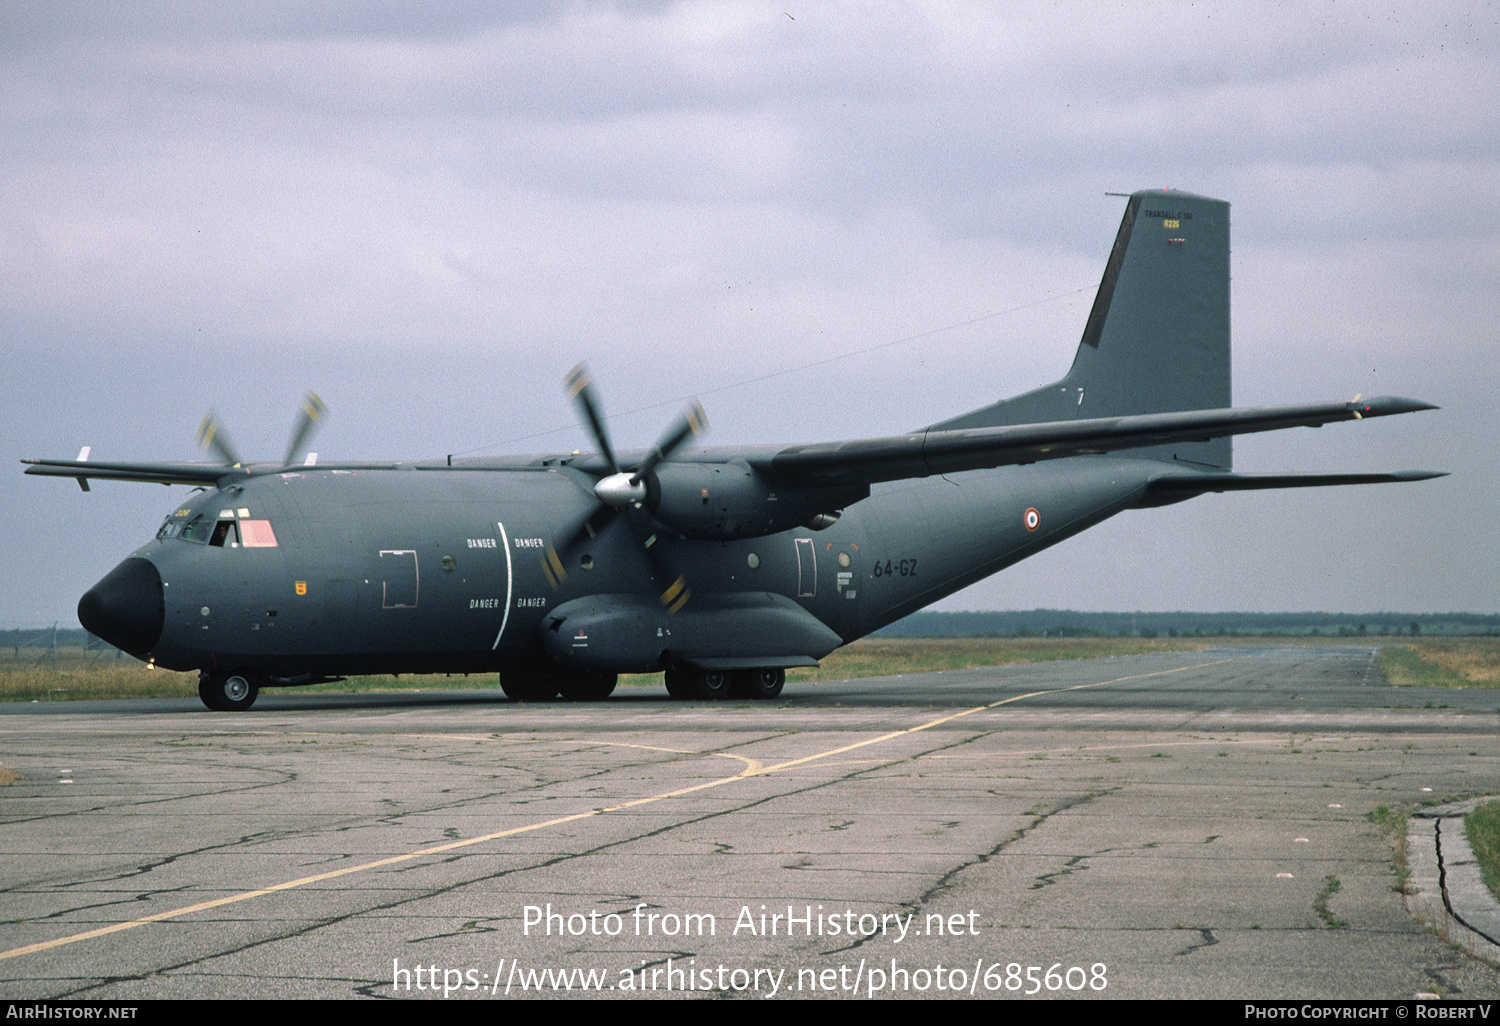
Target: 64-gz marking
pixel 904 568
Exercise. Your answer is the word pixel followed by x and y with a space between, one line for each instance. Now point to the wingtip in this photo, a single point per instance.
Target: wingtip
pixel 1389 405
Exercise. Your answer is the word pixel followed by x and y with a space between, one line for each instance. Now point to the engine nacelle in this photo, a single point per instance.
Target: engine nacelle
pixel 723 501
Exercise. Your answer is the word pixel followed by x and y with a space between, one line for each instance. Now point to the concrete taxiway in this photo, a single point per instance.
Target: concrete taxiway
pixel 1177 825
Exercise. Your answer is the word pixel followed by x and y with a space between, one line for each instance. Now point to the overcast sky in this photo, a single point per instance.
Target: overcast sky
pixel 429 213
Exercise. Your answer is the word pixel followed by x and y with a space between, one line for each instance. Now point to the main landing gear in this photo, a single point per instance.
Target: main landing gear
pixel 764 683
pixel 543 684
pixel 525 684
pixel 686 682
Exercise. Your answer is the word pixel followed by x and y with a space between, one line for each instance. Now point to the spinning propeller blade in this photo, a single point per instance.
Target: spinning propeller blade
pixel 690 424
pixel 212 436
pixel 580 386
pixel 313 410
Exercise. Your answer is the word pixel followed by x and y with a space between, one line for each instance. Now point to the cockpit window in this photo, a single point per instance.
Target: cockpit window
pixel 257 534
pixel 229 532
pixel 197 530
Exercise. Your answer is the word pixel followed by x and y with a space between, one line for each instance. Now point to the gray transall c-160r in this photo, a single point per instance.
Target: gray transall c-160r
pixel 720 567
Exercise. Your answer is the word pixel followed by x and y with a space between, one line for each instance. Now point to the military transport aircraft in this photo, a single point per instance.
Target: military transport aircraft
pixel 720 567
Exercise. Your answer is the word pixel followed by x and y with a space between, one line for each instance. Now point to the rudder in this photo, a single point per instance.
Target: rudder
pixel 1157 337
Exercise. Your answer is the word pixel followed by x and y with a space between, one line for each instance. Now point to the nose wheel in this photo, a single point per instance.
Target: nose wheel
pixel 231 692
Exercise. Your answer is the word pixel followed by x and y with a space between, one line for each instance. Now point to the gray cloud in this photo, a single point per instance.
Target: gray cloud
pixel 430 215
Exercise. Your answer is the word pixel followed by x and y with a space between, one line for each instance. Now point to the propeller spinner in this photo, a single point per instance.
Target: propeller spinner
pixel 628 488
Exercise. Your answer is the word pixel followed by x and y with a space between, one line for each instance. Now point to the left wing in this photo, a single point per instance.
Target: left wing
pixel 156 473
pixel 925 453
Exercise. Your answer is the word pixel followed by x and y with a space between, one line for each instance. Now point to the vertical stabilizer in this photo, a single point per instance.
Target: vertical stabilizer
pixel 1157 338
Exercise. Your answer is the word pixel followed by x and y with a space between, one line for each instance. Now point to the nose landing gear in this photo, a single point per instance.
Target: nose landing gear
pixel 228 692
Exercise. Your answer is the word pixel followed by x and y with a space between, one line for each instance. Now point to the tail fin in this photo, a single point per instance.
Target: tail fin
pixel 1157 339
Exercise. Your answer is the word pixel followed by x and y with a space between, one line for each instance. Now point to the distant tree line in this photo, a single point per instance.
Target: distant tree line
pixel 1067 623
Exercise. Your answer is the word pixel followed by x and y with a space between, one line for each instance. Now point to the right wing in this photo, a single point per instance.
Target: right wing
pixel 925 453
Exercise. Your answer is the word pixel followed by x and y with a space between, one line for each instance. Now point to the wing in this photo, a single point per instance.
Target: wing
pixel 157 473
pixel 925 453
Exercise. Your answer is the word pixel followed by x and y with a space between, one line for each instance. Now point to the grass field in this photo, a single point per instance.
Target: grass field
pixel 1483 827
pixel 1425 662
pixel 880 657
pixel 1443 662
pixel 77 676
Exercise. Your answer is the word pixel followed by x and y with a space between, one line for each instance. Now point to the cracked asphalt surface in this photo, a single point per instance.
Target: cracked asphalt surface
pixel 1177 825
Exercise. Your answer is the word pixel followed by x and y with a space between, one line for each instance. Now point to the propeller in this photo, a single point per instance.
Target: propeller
pixel 211 433
pixel 623 490
pixel 311 415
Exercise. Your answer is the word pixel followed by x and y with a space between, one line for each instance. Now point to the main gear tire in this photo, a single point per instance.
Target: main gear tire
pixel 762 684
pixel 693 684
pixel 529 685
pixel 587 687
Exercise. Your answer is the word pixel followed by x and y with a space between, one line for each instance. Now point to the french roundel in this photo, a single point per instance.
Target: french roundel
pixel 1033 519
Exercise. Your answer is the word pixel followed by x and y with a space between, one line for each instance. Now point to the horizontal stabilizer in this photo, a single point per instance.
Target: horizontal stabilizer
pixel 1172 487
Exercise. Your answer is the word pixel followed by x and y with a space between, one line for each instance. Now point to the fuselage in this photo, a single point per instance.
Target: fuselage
pixel 327 571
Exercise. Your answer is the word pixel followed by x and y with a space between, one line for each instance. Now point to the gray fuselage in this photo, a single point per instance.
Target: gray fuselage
pixel 420 571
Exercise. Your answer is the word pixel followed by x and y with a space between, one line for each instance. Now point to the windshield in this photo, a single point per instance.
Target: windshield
pixel 197 530
pixel 229 532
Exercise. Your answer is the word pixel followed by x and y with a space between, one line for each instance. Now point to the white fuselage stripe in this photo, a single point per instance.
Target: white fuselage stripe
pixel 509 583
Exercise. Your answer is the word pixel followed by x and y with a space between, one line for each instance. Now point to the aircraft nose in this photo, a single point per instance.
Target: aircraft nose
pixel 126 608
